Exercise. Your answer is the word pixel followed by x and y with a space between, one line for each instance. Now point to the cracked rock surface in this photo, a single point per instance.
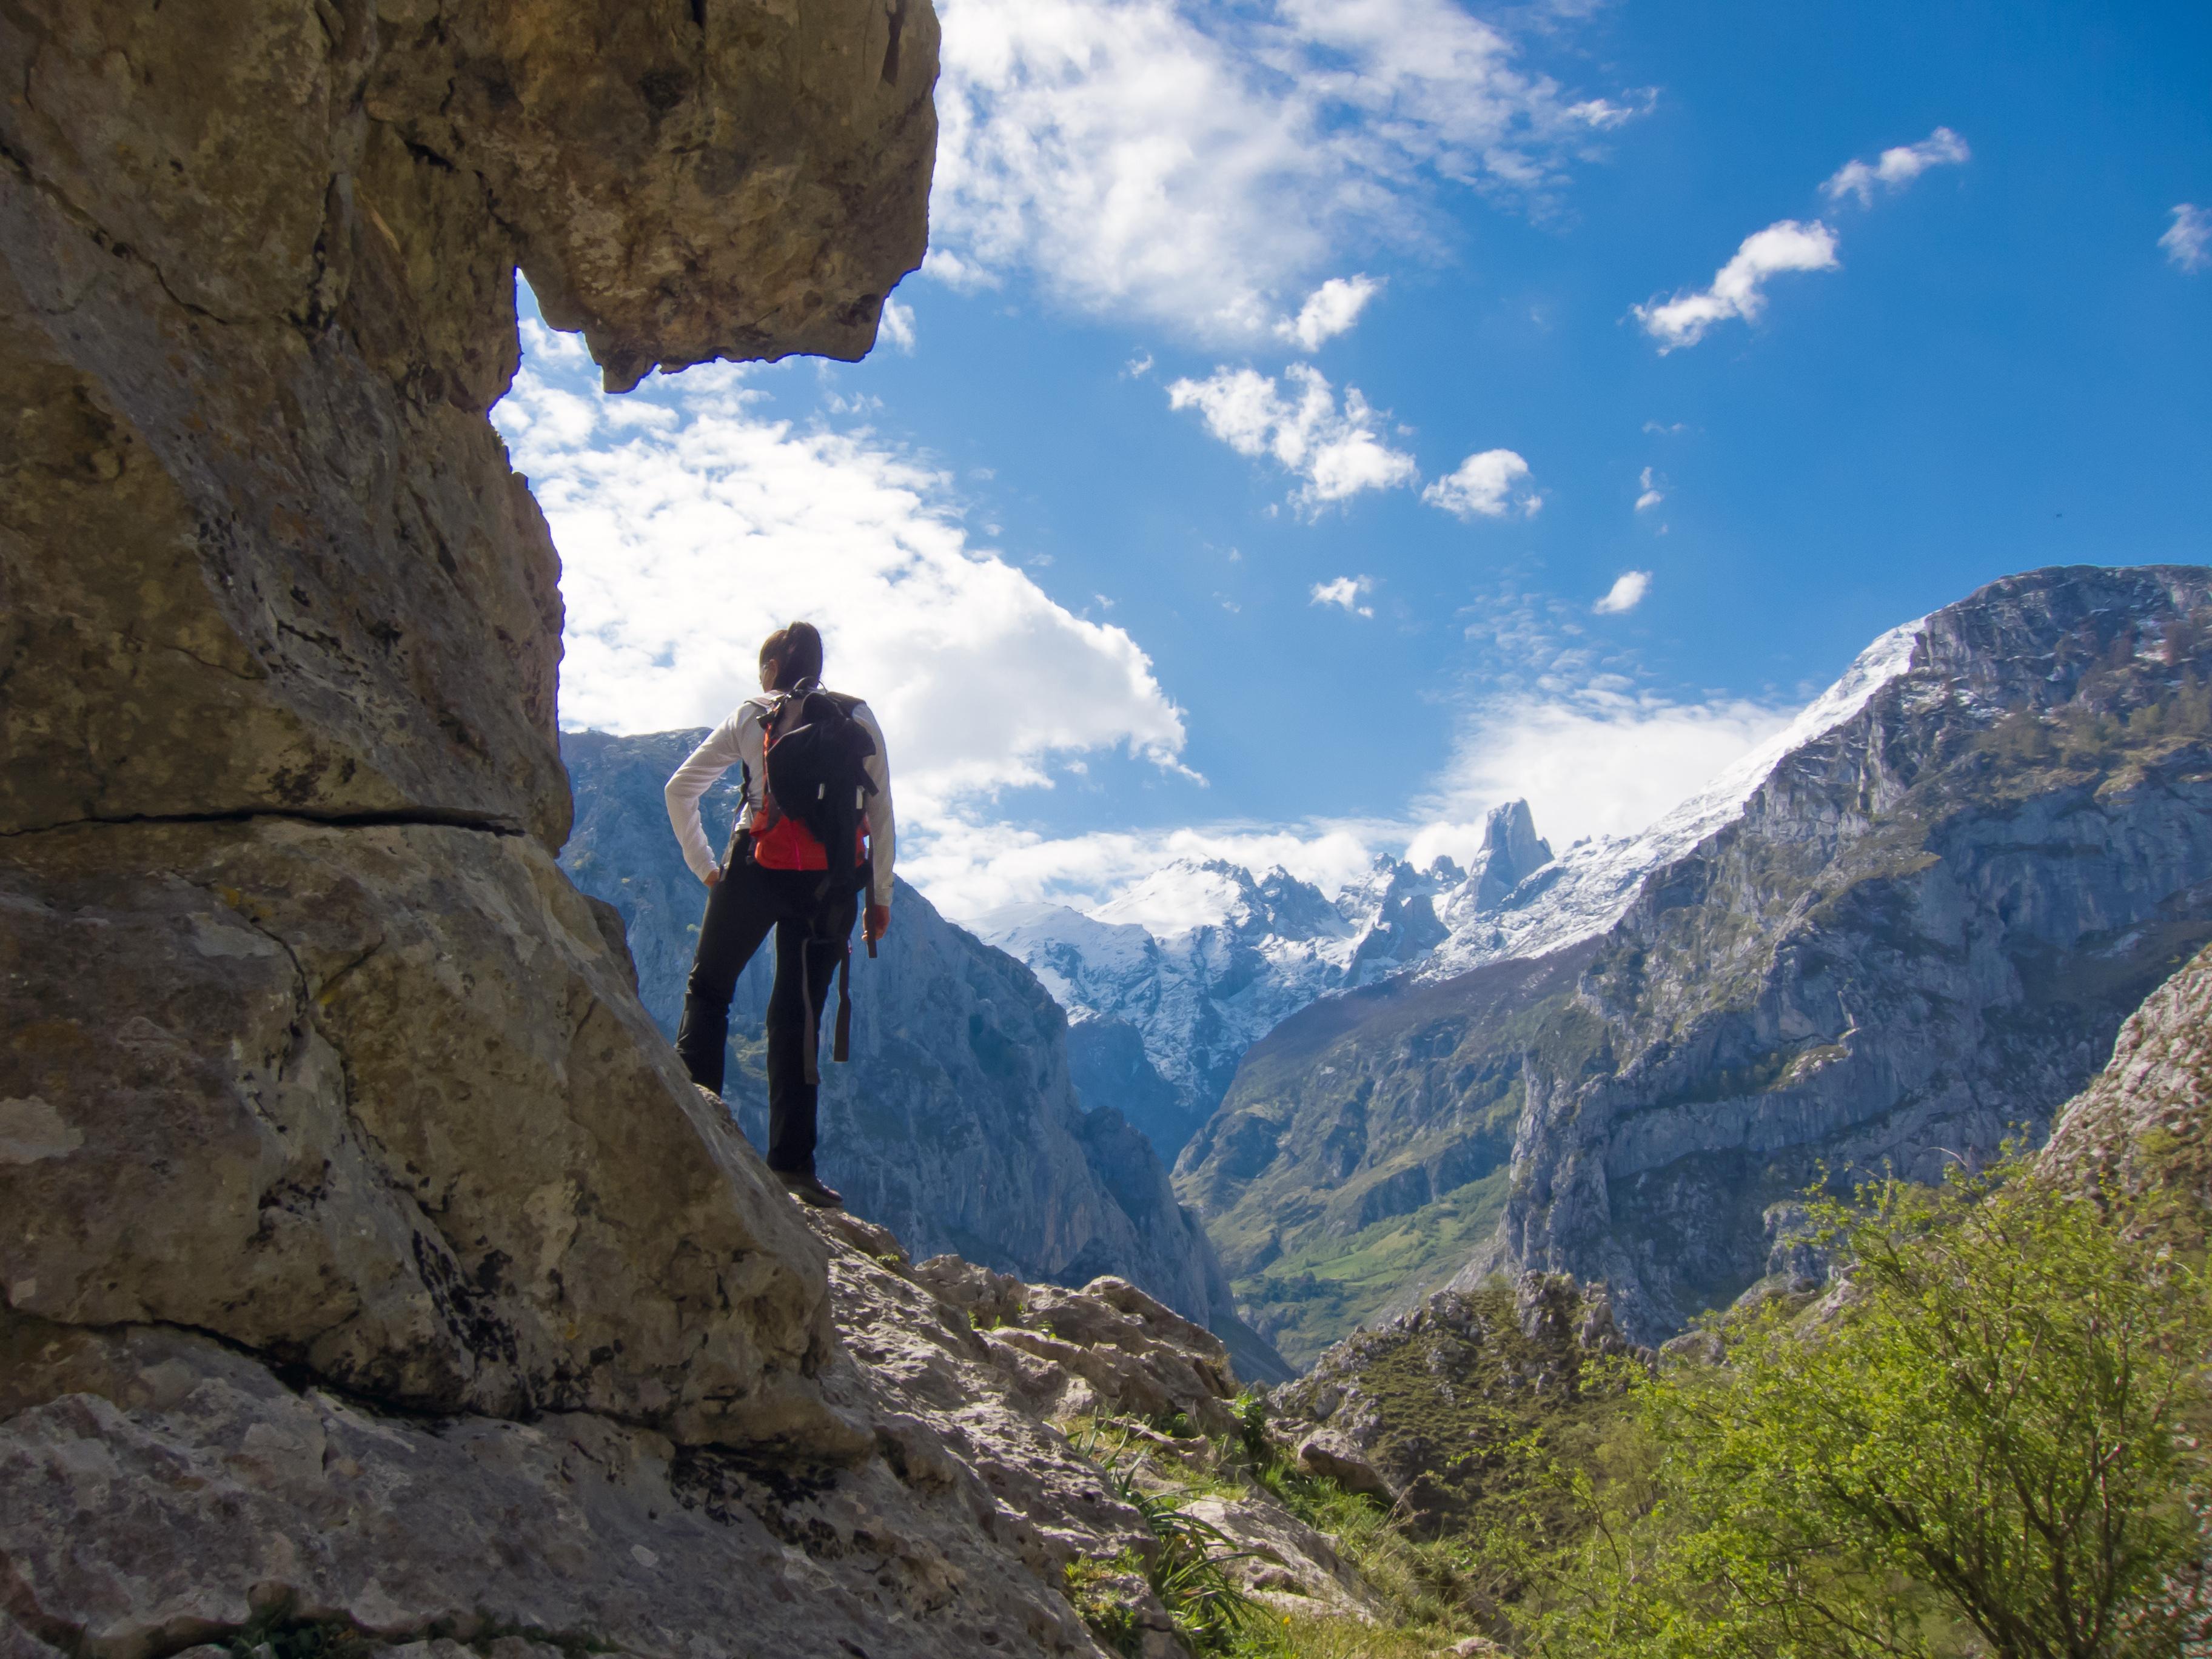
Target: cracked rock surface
pixel 308 1046
pixel 231 1500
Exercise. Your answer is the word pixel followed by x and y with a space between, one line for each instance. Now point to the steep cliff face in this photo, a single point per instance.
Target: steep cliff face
pixel 956 1122
pixel 1919 932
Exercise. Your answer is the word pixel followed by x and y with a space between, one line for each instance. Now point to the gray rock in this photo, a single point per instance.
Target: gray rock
pixel 2139 1128
pixel 1332 1456
pixel 377 1102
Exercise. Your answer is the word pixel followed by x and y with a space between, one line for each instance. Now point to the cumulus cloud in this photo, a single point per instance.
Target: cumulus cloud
pixel 1329 311
pixel 1737 289
pixel 1601 759
pixel 898 325
pixel 2188 240
pixel 1896 168
pixel 983 866
pixel 1595 759
pixel 1192 165
pixel 1652 494
pixel 1490 485
pixel 1297 421
pixel 1627 592
pixel 690 525
pixel 1345 592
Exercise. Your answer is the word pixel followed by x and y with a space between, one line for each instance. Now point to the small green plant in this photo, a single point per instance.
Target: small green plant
pixel 1094 1591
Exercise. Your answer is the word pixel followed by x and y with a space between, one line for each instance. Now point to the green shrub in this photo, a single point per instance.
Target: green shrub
pixel 1989 1447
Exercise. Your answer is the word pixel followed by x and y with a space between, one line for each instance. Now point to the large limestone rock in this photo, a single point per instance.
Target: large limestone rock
pixel 372 1101
pixel 229 1501
pixel 308 1044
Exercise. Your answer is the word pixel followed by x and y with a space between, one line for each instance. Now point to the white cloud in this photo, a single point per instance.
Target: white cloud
pixel 898 325
pixel 1329 310
pixel 1599 760
pixel 976 867
pixel 1191 165
pixel 1344 591
pixel 1490 484
pixel 1627 592
pixel 1736 286
pixel 2188 240
pixel 1297 421
pixel 1652 494
pixel 1896 168
pixel 691 526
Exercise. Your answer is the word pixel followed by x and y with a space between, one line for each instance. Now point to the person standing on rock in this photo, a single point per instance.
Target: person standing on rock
pixel 814 835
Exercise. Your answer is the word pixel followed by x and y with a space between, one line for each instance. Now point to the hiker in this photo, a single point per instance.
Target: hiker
pixel 796 865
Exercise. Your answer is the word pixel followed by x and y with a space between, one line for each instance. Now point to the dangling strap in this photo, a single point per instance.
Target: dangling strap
pixel 840 1049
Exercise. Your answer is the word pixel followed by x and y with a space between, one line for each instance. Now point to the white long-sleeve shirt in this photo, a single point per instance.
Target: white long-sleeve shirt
pixel 741 740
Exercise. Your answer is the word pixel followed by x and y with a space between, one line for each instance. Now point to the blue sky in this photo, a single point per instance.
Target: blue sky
pixel 1133 571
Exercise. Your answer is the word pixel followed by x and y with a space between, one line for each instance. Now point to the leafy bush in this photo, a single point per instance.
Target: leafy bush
pixel 1988 1447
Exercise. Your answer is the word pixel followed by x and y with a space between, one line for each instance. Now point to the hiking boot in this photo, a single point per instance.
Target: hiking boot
pixel 807 1188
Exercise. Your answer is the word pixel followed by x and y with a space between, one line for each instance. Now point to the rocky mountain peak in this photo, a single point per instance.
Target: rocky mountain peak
pixel 1511 852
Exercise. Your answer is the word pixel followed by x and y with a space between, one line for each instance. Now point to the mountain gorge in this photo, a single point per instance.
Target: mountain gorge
pixel 1169 983
pixel 955 1123
pixel 1913 935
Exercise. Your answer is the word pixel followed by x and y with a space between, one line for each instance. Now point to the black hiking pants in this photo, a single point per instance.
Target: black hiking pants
pixel 811 937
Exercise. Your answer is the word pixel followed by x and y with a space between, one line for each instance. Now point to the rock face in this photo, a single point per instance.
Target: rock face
pixel 955 1123
pixel 2140 1127
pixel 313 1047
pixel 1919 930
pixel 947 1537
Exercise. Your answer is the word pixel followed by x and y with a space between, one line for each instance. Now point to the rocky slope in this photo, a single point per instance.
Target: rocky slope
pixel 234 1506
pixel 2139 1130
pixel 955 1122
pixel 1170 983
pixel 1918 928
pixel 1422 1410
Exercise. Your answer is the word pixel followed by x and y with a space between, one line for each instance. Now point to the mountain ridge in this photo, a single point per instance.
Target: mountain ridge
pixel 2039 747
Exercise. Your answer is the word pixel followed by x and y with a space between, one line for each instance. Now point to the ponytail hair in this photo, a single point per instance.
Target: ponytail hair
pixel 797 648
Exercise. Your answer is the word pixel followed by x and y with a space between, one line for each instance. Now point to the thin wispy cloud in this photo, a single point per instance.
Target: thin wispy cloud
pixel 691 525
pixel 1652 494
pixel 2188 240
pixel 897 328
pixel 1492 484
pixel 1200 166
pixel 1345 593
pixel 1336 450
pixel 1329 310
pixel 1739 287
pixel 1896 168
pixel 1626 594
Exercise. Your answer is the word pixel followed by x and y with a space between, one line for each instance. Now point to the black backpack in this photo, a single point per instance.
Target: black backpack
pixel 817 775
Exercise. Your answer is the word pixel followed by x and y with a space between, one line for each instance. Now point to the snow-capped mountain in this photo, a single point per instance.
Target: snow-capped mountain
pixel 1168 984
